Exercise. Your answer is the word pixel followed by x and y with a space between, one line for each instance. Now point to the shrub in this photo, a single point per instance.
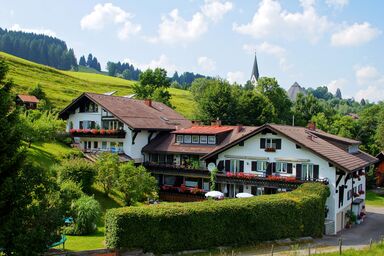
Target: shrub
pixel 69 191
pixel 184 226
pixel 87 212
pixel 107 167
pixel 77 170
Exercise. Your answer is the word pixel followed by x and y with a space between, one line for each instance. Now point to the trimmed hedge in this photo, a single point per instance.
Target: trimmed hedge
pixel 175 227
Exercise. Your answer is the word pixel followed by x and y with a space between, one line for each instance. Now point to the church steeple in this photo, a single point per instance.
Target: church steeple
pixel 255 72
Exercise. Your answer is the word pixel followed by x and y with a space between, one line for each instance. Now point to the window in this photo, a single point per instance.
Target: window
pixel 112 125
pixel 195 139
pixel 281 167
pixel 258 166
pixel 104 145
pixel 192 182
pixel 169 180
pixel 154 158
pixel 95 144
pixel 211 139
pixel 268 143
pixel 169 159
pixel 236 165
pixel 179 138
pixel 87 124
pixel 307 171
pixel 187 139
pixel 206 185
pixel 161 159
pixel 203 139
pixel 120 145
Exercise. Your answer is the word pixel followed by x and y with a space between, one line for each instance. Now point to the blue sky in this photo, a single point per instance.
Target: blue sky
pixel 338 43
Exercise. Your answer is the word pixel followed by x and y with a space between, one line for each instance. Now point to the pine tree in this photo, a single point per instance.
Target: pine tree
pixel 89 60
pixel 82 61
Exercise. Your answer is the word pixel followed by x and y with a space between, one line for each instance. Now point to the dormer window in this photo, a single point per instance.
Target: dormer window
pixel 179 139
pixel 212 140
pixel 203 139
pixel 195 139
pixel 187 139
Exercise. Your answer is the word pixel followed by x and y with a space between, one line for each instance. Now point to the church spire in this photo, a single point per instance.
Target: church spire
pixel 255 72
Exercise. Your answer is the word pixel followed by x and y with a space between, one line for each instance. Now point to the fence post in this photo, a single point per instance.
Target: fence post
pixel 340 245
pixel 309 250
pixel 272 249
pixel 370 243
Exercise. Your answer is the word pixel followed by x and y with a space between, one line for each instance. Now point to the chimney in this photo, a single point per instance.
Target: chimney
pixel 216 122
pixel 148 102
pixel 311 126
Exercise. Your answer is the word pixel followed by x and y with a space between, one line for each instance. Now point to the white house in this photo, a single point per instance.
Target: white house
pixel 259 160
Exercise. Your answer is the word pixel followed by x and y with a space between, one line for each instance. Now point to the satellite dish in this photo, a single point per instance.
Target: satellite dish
pixel 211 166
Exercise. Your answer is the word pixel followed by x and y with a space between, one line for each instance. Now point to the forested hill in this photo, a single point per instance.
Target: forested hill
pixel 41 49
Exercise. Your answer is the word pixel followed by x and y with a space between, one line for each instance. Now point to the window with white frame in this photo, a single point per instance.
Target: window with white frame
pixel 104 145
pixel 307 171
pixel 195 139
pixel 281 167
pixel 179 138
pixel 203 139
pixel 187 139
pixel 211 139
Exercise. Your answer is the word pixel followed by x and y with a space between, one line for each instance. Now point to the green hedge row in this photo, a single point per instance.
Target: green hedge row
pixel 175 227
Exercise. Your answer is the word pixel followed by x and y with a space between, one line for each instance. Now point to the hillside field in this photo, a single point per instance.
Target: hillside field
pixel 62 87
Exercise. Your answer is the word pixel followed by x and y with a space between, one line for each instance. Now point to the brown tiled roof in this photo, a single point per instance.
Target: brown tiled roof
pixel 28 98
pixel 166 143
pixel 205 130
pixel 136 114
pixel 308 139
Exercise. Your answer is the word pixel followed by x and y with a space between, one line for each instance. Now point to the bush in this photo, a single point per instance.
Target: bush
pixel 87 212
pixel 175 227
pixel 69 191
pixel 78 170
pixel 75 153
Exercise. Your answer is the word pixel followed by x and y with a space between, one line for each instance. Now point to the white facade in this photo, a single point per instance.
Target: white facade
pixel 129 147
pixel 290 153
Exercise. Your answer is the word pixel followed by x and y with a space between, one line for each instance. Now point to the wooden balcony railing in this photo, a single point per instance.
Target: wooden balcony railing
pixel 97 133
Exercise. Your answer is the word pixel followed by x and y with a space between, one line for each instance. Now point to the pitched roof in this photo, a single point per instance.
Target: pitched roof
pixel 28 98
pixel 135 113
pixel 166 143
pixel 205 130
pixel 308 139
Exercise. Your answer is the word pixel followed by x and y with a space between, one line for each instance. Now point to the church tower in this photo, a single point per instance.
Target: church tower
pixel 255 72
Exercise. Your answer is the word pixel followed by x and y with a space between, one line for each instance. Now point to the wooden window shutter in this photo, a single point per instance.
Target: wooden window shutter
pixel 289 168
pixel 241 166
pixel 269 169
pixel 262 143
pixel 220 166
pixel 316 172
pixel 227 165
pixel 278 143
pixel 298 171
pixel 254 166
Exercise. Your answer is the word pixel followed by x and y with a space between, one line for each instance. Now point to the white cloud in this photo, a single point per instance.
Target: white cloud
pixel 206 63
pixel 366 74
pixel 162 62
pixel 48 32
pixel 270 20
pixel 276 51
pixel 216 9
pixel 355 35
pixel 173 28
pixel 372 81
pixel 337 4
pixel 337 84
pixel 235 76
pixel 103 15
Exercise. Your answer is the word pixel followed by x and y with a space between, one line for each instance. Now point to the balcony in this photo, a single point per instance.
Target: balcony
pixel 97 133
pixel 177 169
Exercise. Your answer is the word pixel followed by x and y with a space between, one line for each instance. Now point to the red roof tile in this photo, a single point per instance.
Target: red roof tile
pixel 205 130
pixel 28 98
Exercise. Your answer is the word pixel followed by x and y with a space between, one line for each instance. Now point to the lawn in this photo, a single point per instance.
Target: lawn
pixel 376 250
pixel 46 154
pixel 62 87
pixel 96 240
pixel 374 199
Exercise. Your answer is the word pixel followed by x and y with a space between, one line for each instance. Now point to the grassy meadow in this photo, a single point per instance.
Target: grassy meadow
pixel 62 87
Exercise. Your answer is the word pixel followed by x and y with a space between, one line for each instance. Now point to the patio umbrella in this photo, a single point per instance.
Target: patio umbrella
pixel 243 195
pixel 214 194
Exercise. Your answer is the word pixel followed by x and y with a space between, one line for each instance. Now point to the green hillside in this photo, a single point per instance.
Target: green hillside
pixel 62 87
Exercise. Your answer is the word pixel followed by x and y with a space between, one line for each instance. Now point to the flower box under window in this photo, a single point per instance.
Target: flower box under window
pixel 270 150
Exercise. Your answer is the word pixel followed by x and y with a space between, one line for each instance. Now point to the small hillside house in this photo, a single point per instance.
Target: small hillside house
pixel 28 101
pixel 259 160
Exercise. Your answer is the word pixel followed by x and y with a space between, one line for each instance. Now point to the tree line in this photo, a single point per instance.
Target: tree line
pixel 42 49
pixel 91 62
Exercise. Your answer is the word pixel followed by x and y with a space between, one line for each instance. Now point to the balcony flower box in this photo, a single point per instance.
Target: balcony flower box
pixel 361 192
pixel 270 150
pixel 281 178
pixel 97 133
